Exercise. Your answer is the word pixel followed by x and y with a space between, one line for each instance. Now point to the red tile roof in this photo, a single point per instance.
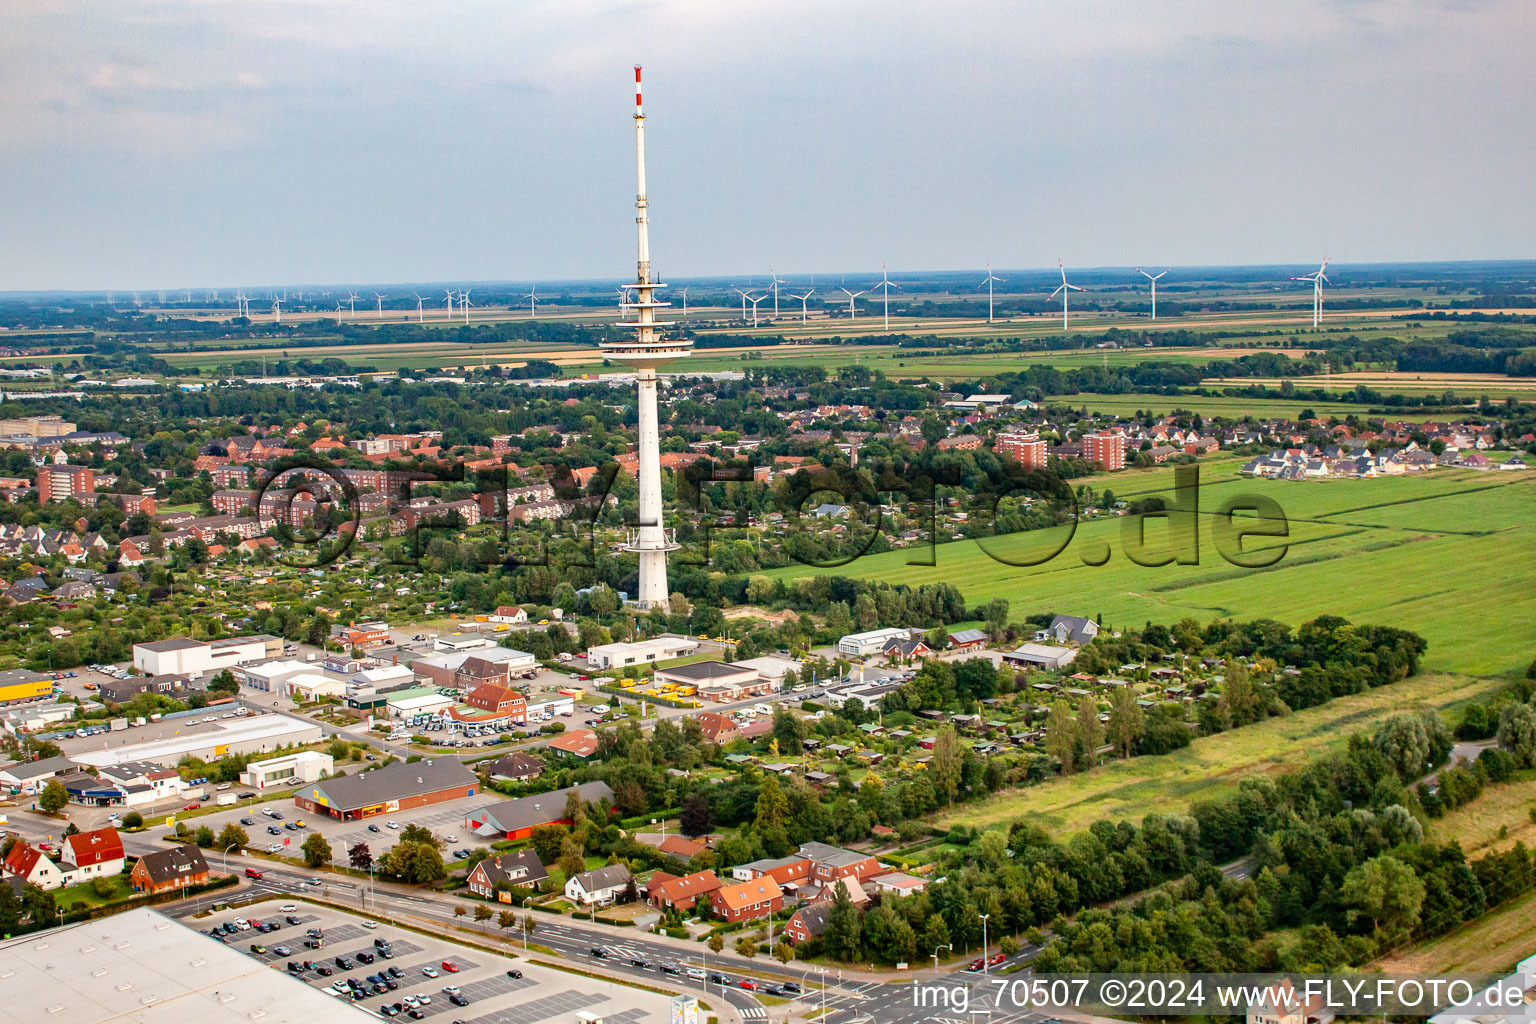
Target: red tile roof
pixel 95 847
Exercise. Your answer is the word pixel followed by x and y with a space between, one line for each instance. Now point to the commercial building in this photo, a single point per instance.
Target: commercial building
pixel 413 706
pixel 862 645
pixel 129 784
pixel 1025 449
pixel 144 967
pixel 1106 449
pixel 516 819
pixel 257 734
pixel 20 686
pixel 188 657
pixel 447 669
pixel 268 676
pixel 642 652
pixel 1041 656
pixel 36 426
pixel 398 787
pixel 720 681
pixel 29 777
pixel 306 766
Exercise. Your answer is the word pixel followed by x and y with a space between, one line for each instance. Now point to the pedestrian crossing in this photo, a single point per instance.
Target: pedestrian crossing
pixel 754 1013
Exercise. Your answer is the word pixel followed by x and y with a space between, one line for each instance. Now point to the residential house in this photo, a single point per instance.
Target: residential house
pixel 601 886
pixel 34 867
pixel 94 854
pixel 182 865
pixel 522 868
pixel 682 893
pixel 515 767
pixel 1282 1004
pixel 745 901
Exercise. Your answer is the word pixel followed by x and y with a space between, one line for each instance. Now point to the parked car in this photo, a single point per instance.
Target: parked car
pixel 514 973
pixel 450 967
pixel 748 984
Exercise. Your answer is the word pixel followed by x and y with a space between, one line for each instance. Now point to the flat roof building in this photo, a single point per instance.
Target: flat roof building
pixel 862 645
pixel 144 967
pixel 257 734
pixel 188 657
pixel 642 652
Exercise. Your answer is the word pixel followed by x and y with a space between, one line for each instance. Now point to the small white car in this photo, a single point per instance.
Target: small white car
pixel 370 924
pixel 288 908
pixel 430 972
pixel 449 990
pixel 242 924
pixel 450 839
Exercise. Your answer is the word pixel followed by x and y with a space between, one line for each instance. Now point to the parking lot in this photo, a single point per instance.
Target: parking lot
pixel 444 819
pixel 430 967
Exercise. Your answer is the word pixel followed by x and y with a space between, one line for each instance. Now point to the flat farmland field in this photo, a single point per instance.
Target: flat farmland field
pixel 1451 555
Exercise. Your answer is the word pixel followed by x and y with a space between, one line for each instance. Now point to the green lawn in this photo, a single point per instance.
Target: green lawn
pixel 1450 555
pixel 82 895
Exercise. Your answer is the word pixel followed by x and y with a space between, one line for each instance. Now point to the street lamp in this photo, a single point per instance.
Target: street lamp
pixel 526 899
pixel 984 947
pixel 231 846
pixel 947 945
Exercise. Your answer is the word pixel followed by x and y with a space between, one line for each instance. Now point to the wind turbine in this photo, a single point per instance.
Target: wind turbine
pixel 623 291
pixel 352 305
pixel 277 311
pixel 448 301
pixel 421 317
pixel 338 312
pixel 241 309
pixel 853 312
pixel 754 302
pixel 1065 289
pixel 1317 278
pixel 533 303
pixel 685 303
pixel 380 314
pixel 465 303
pixel 743 295
pixel 802 299
pixel 988 280
pixel 1153 279
pixel 885 285
pixel 776 280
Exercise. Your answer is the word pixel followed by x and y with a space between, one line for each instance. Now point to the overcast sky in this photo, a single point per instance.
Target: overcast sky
pixel 170 143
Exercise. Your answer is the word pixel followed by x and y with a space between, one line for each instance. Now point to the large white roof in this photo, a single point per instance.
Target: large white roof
pixel 280 728
pixel 143 967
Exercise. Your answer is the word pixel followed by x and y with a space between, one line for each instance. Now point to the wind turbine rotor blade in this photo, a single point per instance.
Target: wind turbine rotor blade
pixel 1058 291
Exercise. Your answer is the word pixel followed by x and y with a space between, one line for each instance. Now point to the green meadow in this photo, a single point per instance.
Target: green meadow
pixel 1450 555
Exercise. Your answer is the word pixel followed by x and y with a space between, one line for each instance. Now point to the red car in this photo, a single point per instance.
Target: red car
pixel 450 967
pixel 191 807
pixel 749 984
pixel 976 965
pixel 996 958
